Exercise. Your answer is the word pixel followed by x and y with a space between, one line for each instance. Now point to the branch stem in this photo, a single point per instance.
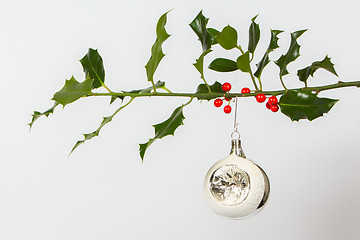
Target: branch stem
pixel 106 87
pixel 251 74
pixel 231 95
pixel 166 89
pixel 282 83
pixel 260 83
pixel 123 106
pixel 188 102
pixel 207 85
pixel 239 47
pixel 253 79
pixel 154 87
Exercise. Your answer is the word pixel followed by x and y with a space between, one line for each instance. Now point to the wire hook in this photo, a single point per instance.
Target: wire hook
pixel 236 124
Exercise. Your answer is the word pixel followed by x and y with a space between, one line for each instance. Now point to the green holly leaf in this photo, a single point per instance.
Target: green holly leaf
pixel 91 135
pixel 265 59
pixel 94 67
pixel 223 65
pixel 243 62
pixel 156 50
pixel 113 98
pixel 159 84
pixel 215 88
pixel 301 104
pixel 261 65
pixel 198 25
pixel 274 40
pixel 310 70
pixel 254 35
pixel 213 32
pixel 95 133
pixel 292 54
pixel 165 128
pixel 36 114
pixel 73 90
pixel 227 38
pixel 199 65
pixel 206 37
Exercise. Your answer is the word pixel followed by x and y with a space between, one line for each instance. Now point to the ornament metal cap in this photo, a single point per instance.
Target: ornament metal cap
pixel 236 148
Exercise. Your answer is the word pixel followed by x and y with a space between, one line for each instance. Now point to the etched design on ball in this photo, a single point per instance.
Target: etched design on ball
pixel 229 185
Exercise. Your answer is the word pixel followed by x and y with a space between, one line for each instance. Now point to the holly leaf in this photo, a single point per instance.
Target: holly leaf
pixel 206 37
pixel 292 54
pixel 301 104
pixel 94 67
pixel 165 128
pixel 198 25
pixel 274 40
pixel 215 88
pixel 310 70
pixel 156 50
pixel 213 32
pixel 227 38
pixel 37 114
pixel 159 84
pixel 113 98
pixel 199 64
pixel 265 59
pixel 91 135
pixel 223 65
pixel 106 120
pixel 261 65
pixel 254 35
pixel 73 90
pixel 243 62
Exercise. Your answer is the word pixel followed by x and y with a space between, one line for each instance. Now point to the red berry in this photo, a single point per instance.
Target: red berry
pixel 268 105
pixel 227 99
pixel 274 108
pixel 227 109
pixel 245 90
pixel 273 100
pixel 218 102
pixel 260 97
pixel 226 87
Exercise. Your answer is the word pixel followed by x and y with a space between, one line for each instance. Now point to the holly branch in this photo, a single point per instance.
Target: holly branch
pixel 212 95
pixel 298 103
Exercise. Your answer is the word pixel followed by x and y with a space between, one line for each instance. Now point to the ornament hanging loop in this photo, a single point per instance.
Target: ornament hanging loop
pixel 235 136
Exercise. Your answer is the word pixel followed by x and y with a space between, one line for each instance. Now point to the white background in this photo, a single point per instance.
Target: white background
pixel 103 191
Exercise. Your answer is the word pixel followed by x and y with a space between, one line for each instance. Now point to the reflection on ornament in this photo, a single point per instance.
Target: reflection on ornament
pixel 229 185
pixel 235 187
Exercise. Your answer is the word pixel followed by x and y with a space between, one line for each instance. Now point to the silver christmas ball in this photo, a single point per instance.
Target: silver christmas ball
pixel 235 187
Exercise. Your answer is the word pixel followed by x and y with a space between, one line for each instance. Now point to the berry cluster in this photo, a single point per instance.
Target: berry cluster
pixel 272 103
pixel 226 87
